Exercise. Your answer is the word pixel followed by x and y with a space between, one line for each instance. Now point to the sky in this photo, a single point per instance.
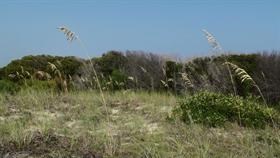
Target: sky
pixel 169 27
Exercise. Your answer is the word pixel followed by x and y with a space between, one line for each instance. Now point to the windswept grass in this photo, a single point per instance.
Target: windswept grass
pixel 43 124
pixel 244 77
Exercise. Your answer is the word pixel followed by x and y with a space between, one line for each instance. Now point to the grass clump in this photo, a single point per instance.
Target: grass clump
pixel 36 123
pixel 215 109
pixel 8 86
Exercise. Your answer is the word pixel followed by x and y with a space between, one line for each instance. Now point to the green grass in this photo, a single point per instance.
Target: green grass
pixel 44 124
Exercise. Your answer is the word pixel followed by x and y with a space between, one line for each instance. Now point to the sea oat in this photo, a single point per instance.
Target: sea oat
pixel 68 33
pixel 164 83
pixel 212 40
pixel 70 37
pixel 244 77
pixel 186 80
pixel 217 47
pixel 241 73
pixel 143 69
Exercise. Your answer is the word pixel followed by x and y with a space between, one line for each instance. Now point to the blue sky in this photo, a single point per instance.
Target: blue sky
pixel 160 26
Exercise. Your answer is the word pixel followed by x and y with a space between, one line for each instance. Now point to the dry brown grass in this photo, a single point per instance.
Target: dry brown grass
pixel 219 51
pixel 42 124
pixel 72 36
pixel 187 80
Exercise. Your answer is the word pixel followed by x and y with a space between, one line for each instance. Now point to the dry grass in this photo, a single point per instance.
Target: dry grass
pixel 244 77
pixel 42 124
pixel 241 73
pixel 60 78
pixel 187 80
pixel 219 51
pixel 212 41
pixel 72 36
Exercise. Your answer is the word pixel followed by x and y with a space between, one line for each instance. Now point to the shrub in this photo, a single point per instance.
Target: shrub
pixel 215 109
pixel 40 85
pixel 119 79
pixel 8 86
pixel 69 65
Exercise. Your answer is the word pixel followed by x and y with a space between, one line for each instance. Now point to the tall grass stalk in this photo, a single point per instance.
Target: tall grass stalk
pixel 186 80
pixel 70 37
pixel 219 50
pixel 245 77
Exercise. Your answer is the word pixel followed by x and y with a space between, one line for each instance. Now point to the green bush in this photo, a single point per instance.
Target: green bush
pixel 40 85
pixel 8 86
pixel 214 109
pixel 69 65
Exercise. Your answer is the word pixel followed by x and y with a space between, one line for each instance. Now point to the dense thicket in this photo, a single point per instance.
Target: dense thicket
pixel 32 64
pixel 147 71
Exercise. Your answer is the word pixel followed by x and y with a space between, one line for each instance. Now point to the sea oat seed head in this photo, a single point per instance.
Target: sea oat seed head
pixel 212 40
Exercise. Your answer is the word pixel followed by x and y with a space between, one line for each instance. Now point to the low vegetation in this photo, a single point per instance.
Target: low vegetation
pixel 136 104
pixel 214 109
pixel 152 72
pixel 37 123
